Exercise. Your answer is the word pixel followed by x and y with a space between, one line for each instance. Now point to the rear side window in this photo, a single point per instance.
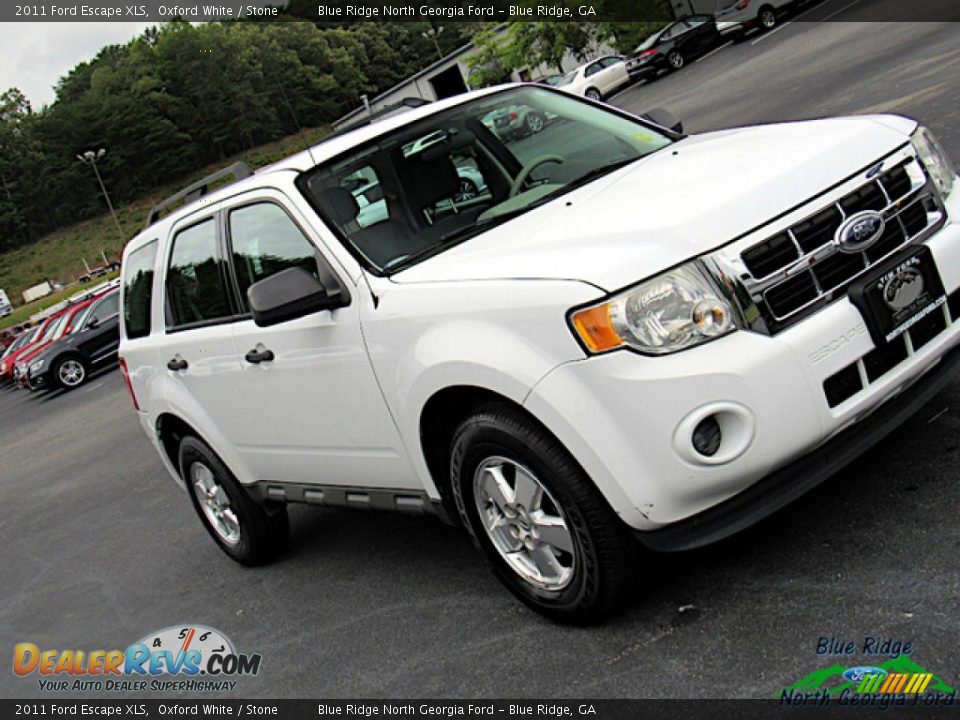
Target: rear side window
pixel 138 290
pixel 195 288
pixel 264 241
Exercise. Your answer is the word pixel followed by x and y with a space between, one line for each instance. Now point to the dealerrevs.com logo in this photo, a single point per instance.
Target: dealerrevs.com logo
pixel 178 658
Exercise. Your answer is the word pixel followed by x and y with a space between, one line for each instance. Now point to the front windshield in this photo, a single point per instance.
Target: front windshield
pixel 415 191
pixel 21 341
pixel 53 328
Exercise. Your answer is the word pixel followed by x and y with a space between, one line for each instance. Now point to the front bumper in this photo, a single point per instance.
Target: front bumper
pixel 802 475
pixel 627 418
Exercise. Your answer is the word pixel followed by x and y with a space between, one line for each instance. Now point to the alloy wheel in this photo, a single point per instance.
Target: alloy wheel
pixel 768 19
pixel 71 373
pixel 676 60
pixel 524 523
pixel 215 503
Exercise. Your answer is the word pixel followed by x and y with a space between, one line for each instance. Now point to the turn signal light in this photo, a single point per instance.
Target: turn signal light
pixel 595 328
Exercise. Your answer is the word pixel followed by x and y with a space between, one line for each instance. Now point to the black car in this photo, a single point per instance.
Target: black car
pixel 673 46
pixel 67 363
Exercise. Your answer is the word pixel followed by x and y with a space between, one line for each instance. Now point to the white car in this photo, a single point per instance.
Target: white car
pixel 597 79
pixel 736 17
pixel 635 338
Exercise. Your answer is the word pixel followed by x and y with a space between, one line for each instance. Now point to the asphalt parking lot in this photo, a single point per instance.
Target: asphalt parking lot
pixel 100 547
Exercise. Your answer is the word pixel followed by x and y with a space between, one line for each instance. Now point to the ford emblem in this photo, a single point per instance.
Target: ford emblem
pixel 860 231
pixel 856 674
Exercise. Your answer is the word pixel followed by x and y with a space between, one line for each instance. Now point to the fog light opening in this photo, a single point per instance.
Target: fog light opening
pixel 707 436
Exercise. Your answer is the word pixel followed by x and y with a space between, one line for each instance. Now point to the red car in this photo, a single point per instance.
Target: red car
pixel 7 359
pixel 65 323
pixel 45 330
pixel 9 336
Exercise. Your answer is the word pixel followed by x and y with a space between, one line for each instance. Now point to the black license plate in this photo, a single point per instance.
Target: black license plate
pixel 898 294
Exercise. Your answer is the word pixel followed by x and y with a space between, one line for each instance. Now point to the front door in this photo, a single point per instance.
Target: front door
pixel 317 413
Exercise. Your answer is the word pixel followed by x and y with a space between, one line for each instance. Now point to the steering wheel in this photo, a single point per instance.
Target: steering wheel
pixel 529 168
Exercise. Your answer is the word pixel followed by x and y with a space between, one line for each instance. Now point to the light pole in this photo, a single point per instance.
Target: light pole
pixel 90 158
pixel 432 34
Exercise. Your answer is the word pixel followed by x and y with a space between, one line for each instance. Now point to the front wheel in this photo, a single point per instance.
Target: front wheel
pixel 246 531
pixel 534 122
pixel 547 532
pixel 70 373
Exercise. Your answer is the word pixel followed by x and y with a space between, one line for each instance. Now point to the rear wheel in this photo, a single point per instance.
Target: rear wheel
pixel 547 532
pixel 248 532
pixel 675 60
pixel 767 17
pixel 70 373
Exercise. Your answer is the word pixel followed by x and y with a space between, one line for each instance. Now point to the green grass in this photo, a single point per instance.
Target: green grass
pixel 59 256
pixel 24 312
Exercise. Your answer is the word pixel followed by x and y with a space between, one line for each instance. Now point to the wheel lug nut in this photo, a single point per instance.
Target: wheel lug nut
pixel 529 544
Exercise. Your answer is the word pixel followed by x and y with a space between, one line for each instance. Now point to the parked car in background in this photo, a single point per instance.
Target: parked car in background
pixel 673 46
pixel 597 79
pixel 10 355
pixel 7 337
pixel 93 343
pixel 5 305
pixel 67 321
pixel 515 122
pixel 735 18
pixel 49 329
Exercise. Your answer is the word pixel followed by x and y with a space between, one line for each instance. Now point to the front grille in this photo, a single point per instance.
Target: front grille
pixel 800 269
pixel 855 377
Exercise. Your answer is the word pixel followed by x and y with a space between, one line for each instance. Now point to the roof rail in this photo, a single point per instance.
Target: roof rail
pixel 192 193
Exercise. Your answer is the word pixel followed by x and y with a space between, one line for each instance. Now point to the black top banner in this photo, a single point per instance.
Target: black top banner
pixel 495 11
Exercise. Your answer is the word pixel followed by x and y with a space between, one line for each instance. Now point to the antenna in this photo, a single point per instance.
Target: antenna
pixel 296 121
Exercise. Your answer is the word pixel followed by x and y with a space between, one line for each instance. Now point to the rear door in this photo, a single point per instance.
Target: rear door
pixel 196 347
pixel 317 414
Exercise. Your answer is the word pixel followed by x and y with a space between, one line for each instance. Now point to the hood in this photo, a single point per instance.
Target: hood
pixel 687 199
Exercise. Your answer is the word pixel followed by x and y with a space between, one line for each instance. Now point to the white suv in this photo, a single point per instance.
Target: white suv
pixel 629 335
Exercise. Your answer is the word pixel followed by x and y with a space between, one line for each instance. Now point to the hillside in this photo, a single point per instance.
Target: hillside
pixel 59 255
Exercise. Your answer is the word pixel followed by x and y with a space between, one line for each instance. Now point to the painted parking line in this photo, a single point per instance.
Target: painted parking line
pixel 792 20
pixel 94 387
pixel 715 50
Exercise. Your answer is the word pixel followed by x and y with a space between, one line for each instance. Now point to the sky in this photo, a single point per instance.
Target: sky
pixel 33 56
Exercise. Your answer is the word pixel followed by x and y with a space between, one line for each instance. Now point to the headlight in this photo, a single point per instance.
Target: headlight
pixel 673 311
pixel 934 159
pixel 36 367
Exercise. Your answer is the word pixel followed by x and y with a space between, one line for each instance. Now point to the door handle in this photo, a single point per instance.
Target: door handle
pixel 177 363
pixel 257 356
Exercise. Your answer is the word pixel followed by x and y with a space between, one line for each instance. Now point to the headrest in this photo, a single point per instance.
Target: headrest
pixel 341 204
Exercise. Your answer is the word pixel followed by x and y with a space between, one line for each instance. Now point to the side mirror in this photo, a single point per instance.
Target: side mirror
pixel 663 118
pixel 294 293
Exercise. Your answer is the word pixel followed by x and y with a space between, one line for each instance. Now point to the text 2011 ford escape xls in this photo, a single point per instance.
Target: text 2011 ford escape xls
pixel 623 334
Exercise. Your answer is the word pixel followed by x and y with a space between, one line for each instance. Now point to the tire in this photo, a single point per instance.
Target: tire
pixel 255 535
pixel 70 372
pixel 593 94
pixel 767 18
pixel 675 60
pixel 594 558
pixel 534 122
